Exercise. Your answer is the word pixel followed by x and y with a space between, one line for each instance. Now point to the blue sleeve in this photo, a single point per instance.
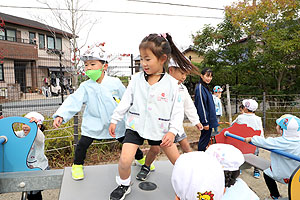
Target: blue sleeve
pixel 71 105
pixel 199 103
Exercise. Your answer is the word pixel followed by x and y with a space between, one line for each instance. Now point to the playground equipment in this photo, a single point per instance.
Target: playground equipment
pixel 98 183
pixel 15 175
pixel 235 136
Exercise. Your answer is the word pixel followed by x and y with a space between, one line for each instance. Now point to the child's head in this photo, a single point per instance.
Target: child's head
pixel 250 105
pixel 206 75
pixel 289 126
pixel 218 91
pixel 197 175
pixel 38 117
pixel 230 158
pixel 95 62
pixel 176 72
pixel 241 108
pixel 157 49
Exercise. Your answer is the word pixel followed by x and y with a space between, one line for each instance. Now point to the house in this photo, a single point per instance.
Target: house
pixel 191 54
pixel 30 54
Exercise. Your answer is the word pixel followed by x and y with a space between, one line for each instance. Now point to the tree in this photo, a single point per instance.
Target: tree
pixel 70 17
pixel 274 24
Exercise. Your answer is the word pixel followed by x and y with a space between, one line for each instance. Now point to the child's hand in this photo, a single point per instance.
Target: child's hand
pixel 32 119
pixel 168 139
pixel 57 122
pixel 248 139
pixel 206 127
pixel 199 126
pixel 111 129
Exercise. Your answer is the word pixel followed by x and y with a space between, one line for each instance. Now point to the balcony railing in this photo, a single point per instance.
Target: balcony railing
pixel 15 39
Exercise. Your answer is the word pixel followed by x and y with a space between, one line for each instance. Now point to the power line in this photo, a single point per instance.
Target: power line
pixel 110 11
pixel 175 4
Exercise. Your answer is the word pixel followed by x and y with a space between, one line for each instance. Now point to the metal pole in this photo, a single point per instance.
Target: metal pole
pixel 282 153
pixel 264 110
pixel 61 79
pixel 131 56
pixel 76 129
pixel 228 103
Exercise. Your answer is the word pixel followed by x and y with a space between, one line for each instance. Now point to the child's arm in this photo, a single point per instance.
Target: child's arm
pixel 190 110
pixel 248 139
pixel 70 106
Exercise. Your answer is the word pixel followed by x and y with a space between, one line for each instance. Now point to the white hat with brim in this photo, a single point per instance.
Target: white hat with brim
pixel 250 104
pixel 230 157
pixel 35 115
pixel 197 175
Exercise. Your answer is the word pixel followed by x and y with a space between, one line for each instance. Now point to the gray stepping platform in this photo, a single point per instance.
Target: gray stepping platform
pixel 257 161
pixel 100 181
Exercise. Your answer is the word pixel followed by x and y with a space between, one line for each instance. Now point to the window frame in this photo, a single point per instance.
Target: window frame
pixel 43 47
pixel 32 40
pixel 15 38
pixel 48 42
pixel 1 72
pixel 60 48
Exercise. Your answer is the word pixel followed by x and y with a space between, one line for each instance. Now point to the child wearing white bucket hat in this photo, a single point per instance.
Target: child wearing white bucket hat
pixel 231 158
pixel 288 126
pixel 248 117
pixel 198 175
pixel 36 157
pixel 101 95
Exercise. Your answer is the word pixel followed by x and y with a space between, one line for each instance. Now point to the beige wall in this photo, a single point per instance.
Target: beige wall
pixel 195 57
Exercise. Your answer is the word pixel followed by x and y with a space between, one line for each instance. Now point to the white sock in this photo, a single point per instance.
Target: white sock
pixel 125 182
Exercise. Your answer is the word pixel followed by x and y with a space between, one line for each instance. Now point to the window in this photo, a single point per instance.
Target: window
pixel 41 41
pixel 50 42
pixel 32 38
pixel 1 73
pixel 2 34
pixel 11 35
pixel 58 44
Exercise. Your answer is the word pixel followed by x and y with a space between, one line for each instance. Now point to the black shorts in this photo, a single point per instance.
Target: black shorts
pixel 134 138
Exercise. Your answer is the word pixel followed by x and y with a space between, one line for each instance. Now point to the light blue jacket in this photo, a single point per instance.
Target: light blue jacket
pixel 99 106
pixel 218 105
pixel 281 167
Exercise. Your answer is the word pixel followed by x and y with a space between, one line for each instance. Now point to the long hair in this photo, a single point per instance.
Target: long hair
pixel 203 72
pixel 161 44
pixel 230 177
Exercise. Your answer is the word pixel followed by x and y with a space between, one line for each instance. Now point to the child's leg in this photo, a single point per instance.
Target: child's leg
pixel 185 145
pixel 34 195
pixel 171 152
pixel 81 148
pixel 127 156
pixel 272 186
pixel 204 139
pixel 138 155
pixel 151 155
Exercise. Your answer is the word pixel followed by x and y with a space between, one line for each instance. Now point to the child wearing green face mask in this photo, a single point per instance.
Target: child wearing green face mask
pixel 100 95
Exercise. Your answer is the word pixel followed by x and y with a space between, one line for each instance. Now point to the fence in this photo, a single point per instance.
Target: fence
pixel 271 107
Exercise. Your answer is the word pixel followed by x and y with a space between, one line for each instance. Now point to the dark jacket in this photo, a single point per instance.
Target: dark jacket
pixel 205 106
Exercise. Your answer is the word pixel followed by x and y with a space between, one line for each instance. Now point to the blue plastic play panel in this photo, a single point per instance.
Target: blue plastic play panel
pixel 13 154
pixel 100 181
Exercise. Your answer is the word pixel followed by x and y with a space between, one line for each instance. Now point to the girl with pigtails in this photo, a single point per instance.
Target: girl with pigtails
pixel 153 107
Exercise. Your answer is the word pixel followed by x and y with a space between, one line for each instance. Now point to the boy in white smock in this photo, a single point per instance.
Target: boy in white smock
pixel 248 117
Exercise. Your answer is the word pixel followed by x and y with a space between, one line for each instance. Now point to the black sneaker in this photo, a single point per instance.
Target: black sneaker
pixel 143 174
pixel 120 192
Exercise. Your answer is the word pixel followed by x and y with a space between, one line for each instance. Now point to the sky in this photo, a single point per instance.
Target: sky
pixel 122 32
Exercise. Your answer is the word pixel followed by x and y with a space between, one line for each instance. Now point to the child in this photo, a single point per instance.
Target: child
pixel 288 126
pixel 231 159
pixel 100 94
pixel 36 157
pixel 205 108
pixel 218 105
pixel 153 106
pixel 198 176
pixel 189 110
pixel 253 121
